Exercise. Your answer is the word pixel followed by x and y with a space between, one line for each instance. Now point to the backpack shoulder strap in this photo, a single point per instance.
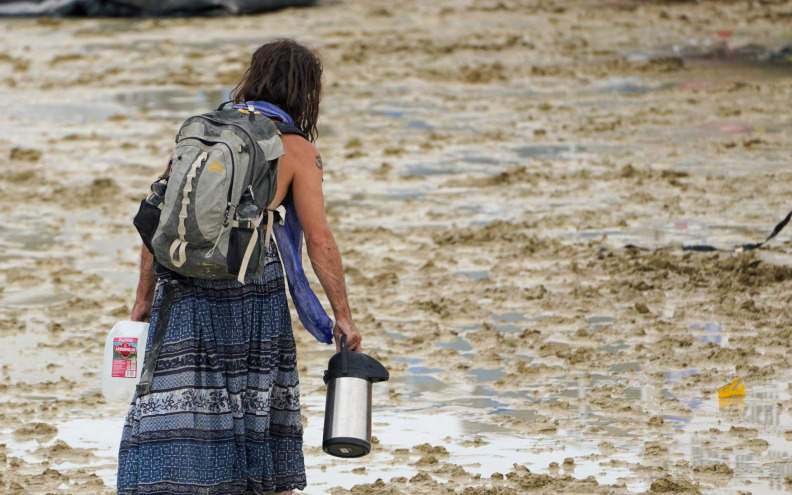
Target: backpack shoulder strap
pixel 289 129
pixel 285 128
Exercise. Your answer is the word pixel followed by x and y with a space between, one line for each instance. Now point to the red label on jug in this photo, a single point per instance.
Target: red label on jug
pixel 125 357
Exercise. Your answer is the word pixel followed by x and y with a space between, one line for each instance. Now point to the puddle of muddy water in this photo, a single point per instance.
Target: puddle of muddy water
pixel 453 415
pixel 498 452
pixel 111 252
pixel 710 332
pixel 571 151
pixel 21 351
pixel 671 376
pixel 614 347
pixel 690 439
pixel 478 403
pixel 598 322
pixel 393 427
pixel 80 432
pixel 704 438
pixel 510 316
pixel 485 375
pixel 630 85
pixel 101 254
pixel 625 367
pixel 504 322
pixel 66 111
pixel 173 102
pixel 423 370
pixel 40 297
pixel 460 344
pixel 460 161
pixel 474 274
pixel 509 322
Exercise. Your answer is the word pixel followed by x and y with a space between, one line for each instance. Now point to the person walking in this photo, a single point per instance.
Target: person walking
pixel 224 417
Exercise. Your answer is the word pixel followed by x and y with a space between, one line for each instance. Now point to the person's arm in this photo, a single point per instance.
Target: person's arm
pixel 147 285
pixel 305 161
pixel 141 310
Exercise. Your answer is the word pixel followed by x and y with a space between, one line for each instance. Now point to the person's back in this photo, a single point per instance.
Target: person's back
pixel 228 361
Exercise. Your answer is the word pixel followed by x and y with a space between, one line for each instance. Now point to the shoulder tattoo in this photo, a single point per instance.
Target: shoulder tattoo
pixel 319 163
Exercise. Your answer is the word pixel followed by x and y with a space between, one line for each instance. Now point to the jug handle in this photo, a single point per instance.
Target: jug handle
pixel 344 357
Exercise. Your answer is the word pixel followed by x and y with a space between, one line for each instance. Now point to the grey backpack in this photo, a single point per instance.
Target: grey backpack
pixel 222 182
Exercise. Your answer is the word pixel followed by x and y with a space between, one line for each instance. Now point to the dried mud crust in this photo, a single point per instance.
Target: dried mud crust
pixel 484 158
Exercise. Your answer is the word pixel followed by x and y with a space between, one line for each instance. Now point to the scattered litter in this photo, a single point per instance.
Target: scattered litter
pixel 734 389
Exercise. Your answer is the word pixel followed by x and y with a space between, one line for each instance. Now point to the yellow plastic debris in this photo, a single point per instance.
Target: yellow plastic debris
pixel 734 389
pixel 736 402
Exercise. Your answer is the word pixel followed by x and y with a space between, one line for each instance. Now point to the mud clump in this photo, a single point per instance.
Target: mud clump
pixel 101 190
pixel 719 469
pixel 430 449
pixel 520 175
pixel 24 155
pixel 667 484
pixel 661 64
pixel 36 429
pixel 749 271
pixel 497 232
pixel 484 73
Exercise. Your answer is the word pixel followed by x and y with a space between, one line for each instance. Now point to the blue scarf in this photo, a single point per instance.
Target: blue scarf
pixel 289 236
pixel 267 109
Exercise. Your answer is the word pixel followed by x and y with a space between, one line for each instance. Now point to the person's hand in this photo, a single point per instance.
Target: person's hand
pixel 141 311
pixel 353 337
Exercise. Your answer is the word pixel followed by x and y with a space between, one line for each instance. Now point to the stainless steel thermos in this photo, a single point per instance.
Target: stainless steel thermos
pixel 347 426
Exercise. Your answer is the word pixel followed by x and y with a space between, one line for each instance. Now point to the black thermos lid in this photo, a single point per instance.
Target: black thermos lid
pixel 355 365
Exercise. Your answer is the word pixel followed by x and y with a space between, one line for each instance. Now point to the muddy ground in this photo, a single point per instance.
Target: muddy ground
pixel 488 163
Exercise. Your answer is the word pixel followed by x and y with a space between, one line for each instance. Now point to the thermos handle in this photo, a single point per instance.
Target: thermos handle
pixel 344 356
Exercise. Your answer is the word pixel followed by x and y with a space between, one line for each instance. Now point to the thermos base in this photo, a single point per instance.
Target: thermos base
pixel 346 447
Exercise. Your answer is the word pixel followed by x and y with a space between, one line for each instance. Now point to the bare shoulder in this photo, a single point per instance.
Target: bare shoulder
pixel 301 153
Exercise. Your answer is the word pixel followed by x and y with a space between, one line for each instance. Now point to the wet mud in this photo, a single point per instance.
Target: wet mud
pixel 487 163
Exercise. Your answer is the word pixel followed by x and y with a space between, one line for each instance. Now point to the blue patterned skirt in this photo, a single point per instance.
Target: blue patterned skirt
pixel 223 416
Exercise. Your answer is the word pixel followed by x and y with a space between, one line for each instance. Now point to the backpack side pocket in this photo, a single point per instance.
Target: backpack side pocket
pixel 146 221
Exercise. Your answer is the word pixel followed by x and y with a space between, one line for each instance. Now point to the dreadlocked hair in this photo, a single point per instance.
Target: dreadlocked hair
pixel 289 75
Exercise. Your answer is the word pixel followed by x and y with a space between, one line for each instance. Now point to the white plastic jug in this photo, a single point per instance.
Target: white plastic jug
pixel 124 351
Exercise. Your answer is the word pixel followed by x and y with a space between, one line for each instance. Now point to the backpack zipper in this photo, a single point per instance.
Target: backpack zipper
pixel 233 168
